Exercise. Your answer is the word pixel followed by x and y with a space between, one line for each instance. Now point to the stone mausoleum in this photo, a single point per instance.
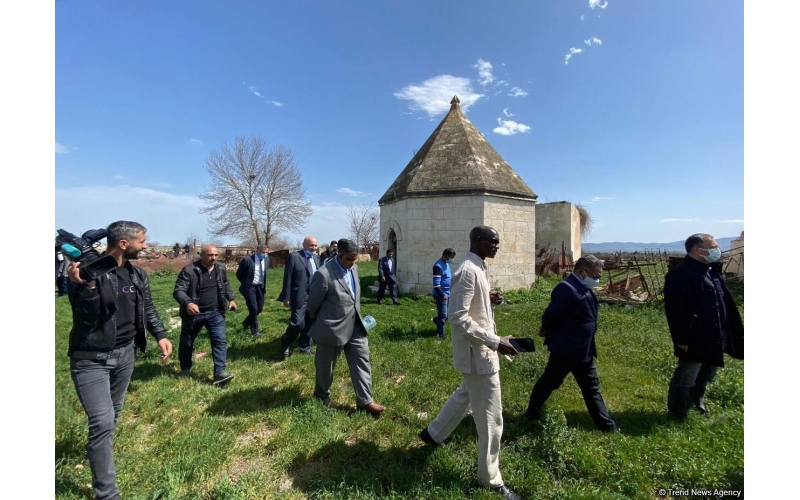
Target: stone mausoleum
pixel 457 181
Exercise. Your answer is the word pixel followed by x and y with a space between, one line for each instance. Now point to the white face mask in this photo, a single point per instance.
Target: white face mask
pixel 589 281
pixel 714 254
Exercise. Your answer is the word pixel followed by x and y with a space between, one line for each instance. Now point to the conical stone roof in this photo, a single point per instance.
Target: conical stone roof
pixel 457 160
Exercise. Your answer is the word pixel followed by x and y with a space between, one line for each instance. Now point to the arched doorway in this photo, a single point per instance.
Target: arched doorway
pixel 391 241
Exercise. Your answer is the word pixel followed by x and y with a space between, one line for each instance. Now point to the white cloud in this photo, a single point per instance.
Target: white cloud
pixel 507 113
pixel 161 185
pixel 253 88
pixel 595 41
pixel 509 127
pixel 143 205
pixel 581 18
pixel 196 142
pixel 601 198
pixel 351 192
pixel 62 149
pixel 276 104
pixel 572 52
pixel 598 3
pixel 484 68
pixel 517 92
pixel 680 220
pixel 434 94
pixel 732 221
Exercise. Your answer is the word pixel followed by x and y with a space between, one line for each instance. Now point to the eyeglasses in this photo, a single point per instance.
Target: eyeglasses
pixel 593 277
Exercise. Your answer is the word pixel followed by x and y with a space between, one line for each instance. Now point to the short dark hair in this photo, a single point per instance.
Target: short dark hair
pixel 334 242
pixel 389 250
pixel 123 230
pixel 449 252
pixel 588 262
pixel 694 240
pixel 347 246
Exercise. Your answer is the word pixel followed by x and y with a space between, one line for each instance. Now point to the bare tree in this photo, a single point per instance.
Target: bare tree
pixel 255 190
pixel 363 224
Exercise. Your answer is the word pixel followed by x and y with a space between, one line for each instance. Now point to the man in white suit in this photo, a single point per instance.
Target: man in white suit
pixel 335 311
pixel 475 349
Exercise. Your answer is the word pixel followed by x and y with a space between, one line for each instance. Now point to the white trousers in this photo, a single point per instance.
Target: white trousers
pixel 482 394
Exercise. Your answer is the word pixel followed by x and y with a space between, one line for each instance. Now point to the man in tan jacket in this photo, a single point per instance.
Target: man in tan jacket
pixel 475 349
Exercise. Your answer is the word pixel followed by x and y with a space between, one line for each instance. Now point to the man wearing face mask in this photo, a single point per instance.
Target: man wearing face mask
pixel 569 325
pixel 441 288
pixel 704 323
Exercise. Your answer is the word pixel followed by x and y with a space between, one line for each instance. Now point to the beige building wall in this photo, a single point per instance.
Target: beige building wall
pixel 557 222
pixel 736 262
pixel 425 226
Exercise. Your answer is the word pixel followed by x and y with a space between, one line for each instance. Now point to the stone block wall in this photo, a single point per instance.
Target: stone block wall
pixel 557 222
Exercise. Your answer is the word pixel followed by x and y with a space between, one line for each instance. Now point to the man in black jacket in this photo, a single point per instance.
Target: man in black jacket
pixel 704 323
pixel 109 318
pixel 252 276
pixel 569 325
pixel 300 267
pixel 205 294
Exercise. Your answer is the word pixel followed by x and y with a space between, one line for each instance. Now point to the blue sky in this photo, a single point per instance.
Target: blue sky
pixel 643 122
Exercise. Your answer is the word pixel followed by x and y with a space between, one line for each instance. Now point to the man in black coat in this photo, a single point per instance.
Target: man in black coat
pixel 300 267
pixel 704 323
pixel 387 274
pixel 205 295
pixel 110 315
pixel 569 325
pixel 330 252
pixel 252 274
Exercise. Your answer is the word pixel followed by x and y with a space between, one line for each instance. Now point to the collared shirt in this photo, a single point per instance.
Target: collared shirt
pixel 389 261
pixel 348 276
pixel 474 338
pixel 311 261
pixel 258 272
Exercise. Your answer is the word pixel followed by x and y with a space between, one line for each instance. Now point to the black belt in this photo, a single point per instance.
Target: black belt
pixel 97 355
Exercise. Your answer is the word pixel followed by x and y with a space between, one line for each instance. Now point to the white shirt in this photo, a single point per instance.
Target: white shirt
pixel 390 264
pixel 474 334
pixel 258 272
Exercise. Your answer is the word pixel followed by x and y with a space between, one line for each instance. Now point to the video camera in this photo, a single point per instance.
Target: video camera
pixel 82 250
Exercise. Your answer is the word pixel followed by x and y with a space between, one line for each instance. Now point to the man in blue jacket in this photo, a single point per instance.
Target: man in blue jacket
pixel 569 325
pixel 252 276
pixel 387 274
pixel 704 323
pixel 441 288
pixel 300 267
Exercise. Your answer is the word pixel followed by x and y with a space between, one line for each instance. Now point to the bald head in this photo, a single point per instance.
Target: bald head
pixel 484 241
pixel 310 244
pixel 208 256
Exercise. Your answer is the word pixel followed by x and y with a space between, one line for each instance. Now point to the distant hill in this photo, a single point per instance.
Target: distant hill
pixel 627 246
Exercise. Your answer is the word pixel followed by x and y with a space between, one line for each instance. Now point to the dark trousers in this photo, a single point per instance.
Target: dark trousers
pixel 441 316
pixel 214 322
pixel 392 290
pixel 688 386
pixel 254 298
pixel 61 284
pixel 298 326
pixel 101 385
pixel 585 374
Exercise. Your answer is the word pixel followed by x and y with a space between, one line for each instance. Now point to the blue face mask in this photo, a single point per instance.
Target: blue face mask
pixel 261 255
pixel 714 255
pixel 449 261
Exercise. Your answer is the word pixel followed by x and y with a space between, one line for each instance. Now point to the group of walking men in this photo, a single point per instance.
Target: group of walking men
pixel 112 313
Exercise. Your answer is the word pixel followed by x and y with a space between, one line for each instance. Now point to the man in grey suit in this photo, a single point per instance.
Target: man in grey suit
pixel 335 312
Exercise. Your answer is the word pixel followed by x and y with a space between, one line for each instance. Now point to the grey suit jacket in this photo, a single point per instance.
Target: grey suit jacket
pixel 335 312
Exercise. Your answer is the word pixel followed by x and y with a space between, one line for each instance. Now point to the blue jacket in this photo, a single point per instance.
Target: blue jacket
pixel 442 275
pixel 384 272
pixel 246 272
pixel 570 320
pixel 297 278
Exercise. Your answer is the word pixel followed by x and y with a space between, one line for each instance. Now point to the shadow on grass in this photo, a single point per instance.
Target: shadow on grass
pixel 267 351
pixel 253 400
pixel 407 334
pixel 69 486
pixel 148 369
pixel 362 466
pixel 631 423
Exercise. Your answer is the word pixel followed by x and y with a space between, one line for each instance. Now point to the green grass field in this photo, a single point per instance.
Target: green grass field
pixel 264 435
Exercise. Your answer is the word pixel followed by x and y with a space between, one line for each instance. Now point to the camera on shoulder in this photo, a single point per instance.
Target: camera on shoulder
pixel 82 249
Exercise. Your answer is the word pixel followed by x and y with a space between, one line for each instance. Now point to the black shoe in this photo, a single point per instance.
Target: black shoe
pixel 676 418
pixel 397 303
pixel 379 302
pixel 305 352
pixel 254 331
pixel 506 493
pixel 532 414
pixel 701 407
pixel 286 353
pixel 426 436
pixel 223 378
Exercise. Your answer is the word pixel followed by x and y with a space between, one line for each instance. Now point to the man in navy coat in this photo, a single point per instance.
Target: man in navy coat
pixel 387 274
pixel 569 325
pixel 252 274
pixel 704 323
pixel 300 267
